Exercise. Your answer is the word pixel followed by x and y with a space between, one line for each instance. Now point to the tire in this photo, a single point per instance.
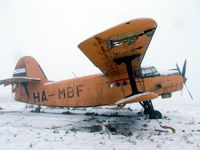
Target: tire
pixel 145 111
pixel 155 115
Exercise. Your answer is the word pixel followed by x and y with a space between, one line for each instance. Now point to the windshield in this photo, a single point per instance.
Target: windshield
pixel 147 72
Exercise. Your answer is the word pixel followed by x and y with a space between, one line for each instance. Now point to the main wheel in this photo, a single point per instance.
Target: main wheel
pixel 146 111
pixel 155 115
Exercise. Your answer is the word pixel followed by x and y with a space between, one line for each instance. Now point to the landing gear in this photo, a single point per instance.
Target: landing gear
pixel 148 109
pixel 37 109
pixel 155 115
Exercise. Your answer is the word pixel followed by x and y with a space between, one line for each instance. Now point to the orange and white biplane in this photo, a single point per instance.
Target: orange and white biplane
pixel 118 53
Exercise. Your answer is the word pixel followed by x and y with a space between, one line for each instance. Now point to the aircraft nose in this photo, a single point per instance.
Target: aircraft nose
pixel 175 83
pixel 178 82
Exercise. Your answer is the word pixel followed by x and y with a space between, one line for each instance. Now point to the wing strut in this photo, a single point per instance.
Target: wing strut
pixel 127 60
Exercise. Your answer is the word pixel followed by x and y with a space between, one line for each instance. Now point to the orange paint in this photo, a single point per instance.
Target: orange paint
pixel 105 50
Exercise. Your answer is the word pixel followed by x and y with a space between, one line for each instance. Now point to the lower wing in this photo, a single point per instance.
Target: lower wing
pixel 137 98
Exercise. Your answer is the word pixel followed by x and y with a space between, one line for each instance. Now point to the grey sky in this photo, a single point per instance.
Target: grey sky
pixel 50 30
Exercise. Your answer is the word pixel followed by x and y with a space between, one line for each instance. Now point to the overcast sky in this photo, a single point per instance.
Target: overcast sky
pixel 50 30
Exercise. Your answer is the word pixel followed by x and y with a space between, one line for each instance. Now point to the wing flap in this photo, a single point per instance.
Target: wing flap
pixel 131 38
pixel 137 98
pixel 18 80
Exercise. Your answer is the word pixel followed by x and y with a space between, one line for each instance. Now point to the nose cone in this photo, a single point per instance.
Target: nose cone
pixel 184 79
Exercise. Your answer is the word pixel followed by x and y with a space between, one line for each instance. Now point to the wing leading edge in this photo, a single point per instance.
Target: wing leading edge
pixel 125 40
pixel 137 98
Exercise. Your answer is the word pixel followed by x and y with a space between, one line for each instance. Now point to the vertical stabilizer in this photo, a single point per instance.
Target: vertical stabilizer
pixel 28 67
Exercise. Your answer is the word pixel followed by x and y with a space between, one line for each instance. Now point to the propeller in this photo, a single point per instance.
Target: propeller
pixel 182 73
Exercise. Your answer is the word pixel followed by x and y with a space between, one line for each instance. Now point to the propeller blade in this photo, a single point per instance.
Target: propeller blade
pixel 182 73
pixel 189 92
pixel 184 68
pixel 179 70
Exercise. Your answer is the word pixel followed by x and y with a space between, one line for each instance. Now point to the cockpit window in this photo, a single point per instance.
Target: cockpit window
pixel 147 72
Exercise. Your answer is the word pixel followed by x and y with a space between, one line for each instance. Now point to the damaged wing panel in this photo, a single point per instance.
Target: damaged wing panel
pixel 124 40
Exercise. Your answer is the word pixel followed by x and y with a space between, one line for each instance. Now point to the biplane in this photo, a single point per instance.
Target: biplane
pixel 118 52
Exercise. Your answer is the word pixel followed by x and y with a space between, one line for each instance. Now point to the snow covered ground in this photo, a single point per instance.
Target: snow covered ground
pixel 99 128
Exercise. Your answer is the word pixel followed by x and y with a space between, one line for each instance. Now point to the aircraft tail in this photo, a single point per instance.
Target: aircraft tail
pixel 28 75
pixel 28 67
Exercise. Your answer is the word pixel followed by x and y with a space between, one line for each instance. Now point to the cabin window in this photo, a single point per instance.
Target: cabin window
pixel 147 72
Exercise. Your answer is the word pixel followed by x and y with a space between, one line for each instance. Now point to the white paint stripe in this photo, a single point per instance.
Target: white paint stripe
pixel 21 70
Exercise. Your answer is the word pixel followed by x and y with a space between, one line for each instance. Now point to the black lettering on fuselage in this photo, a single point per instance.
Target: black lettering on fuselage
pixel 61 93
pixel 78 90
pixel 44 98
pixel 70 92
pixel 36 97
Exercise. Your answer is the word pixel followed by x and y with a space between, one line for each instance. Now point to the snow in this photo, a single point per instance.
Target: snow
pixel 87 128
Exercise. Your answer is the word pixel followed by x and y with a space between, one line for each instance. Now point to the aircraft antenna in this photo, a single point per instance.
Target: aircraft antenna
pixel 74 74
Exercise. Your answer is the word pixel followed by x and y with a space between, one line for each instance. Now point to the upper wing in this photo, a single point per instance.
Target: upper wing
pixel 16 80
pixel 127 39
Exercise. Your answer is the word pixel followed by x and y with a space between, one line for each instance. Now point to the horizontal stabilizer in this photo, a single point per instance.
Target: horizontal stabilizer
pixel 137 98
pixel 18 80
